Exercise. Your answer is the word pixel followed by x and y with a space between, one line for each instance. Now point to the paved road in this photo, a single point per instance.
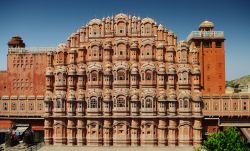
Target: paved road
pixel 101 148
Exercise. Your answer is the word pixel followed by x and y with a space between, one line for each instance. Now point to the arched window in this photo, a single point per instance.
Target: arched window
pixel 94 76
pixel 148 50
pixel 61 77
pixel 148 29
pixel 121 28
pixel 185 103
pixel 60 57
pixel 148 103
pixel 93 103
pixel 121 75
pixel 184 56
pixel 148 75
pixel 121 49
pixel 58 103
pixel 95 30
pixel 95 51
pixel 121 102
pixel 185 77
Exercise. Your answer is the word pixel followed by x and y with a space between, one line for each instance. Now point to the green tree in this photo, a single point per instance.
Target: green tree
pixel 229 140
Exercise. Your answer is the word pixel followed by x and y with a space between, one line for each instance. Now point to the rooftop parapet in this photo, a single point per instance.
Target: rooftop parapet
pixel 32 50
pixel 205 35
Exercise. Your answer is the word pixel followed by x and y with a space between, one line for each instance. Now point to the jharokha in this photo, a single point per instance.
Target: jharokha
pixel 122 80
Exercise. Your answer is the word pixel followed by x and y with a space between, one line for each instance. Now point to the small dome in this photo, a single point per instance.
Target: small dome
pixel 160 27
pixel 134 18
pixel 16 42
pixel 207 24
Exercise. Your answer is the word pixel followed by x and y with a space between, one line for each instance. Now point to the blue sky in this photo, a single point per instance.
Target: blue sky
pixel 44 23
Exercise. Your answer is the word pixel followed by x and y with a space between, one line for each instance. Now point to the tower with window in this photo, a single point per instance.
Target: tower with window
pixel 210 44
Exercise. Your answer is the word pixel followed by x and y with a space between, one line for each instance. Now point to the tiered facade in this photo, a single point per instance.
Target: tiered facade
pixel 123 80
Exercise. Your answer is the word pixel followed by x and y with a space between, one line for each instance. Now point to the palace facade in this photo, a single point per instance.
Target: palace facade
pixel 121 80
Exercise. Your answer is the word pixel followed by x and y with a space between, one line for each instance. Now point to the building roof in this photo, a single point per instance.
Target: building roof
pixel 207 24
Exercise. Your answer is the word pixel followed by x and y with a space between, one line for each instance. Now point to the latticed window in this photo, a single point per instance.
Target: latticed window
pixel 94 76
pixel 95 30
pixel 148 75
pixel 120 102
pixel 93 103
pixel 148 103
pixel 58 103
pixel 148 28
pixel 121 75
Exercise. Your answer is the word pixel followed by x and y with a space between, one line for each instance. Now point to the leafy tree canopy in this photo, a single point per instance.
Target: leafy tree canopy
pixel 229 140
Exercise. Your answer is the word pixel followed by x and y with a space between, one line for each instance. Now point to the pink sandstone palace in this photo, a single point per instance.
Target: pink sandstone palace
pixel 122 80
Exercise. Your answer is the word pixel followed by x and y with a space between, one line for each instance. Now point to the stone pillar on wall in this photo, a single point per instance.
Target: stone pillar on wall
pixel 172 132
pixel 48 131
pixel 135 132
pixel 59 130
pixel 162 132
pixel 197 132
pixel 81 132
pixel 71 132
pixel 107 132
pixel 185 132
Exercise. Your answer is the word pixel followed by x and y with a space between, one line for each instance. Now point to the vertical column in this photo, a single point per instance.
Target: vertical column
pixel 107 132
pixel 135 132
pixel 162 133
pixel 71 132
pixel 81 132
pixel 59 130
pixel 172 132
pixel 48 130
pixel 197 132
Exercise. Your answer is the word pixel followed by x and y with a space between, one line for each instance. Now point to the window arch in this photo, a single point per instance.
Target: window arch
pixel 121 75
pixel 148 50
pixel 121 28
pixel 93 103
pixel 148 103
pixel 147 29
pixel 148 75
pixel 121 49
pixel 184 103
pixel 95 52
pixel 94 76
pixel 95 30
pixel 58 103
pixel 121 102
pixel 61 58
